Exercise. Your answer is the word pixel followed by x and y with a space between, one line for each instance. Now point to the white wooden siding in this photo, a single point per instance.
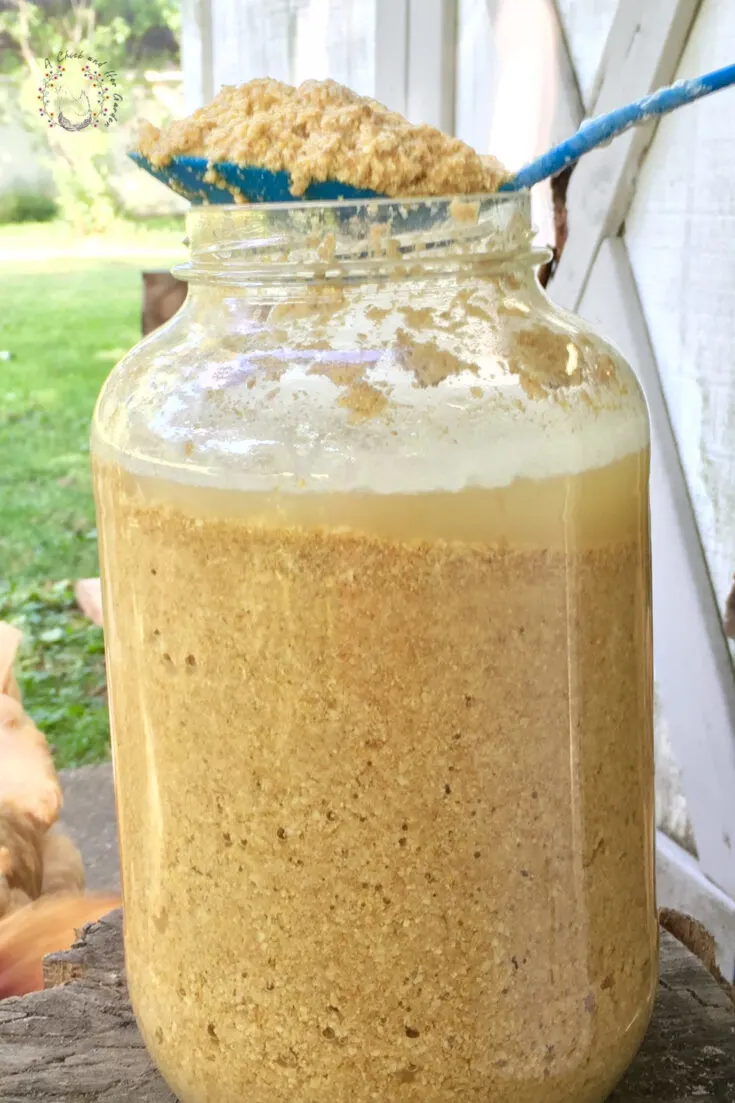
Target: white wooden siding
pixel 672 814
pixel 476 73
pixel 196 53
pixel 391 53
pixel 680 233
pixel 432 54
pixel 516 93
pixel 643 50
pixel 586 27
pixel 692 662
pixel 680 884
pixel 401 51
pixel 232 41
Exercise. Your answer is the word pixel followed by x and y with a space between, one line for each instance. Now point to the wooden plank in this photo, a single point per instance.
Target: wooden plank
pixel 645 44
pixel 534 100
pixel 682 254
pixel 516 91
pixel 196 53
pixel 250 40
pixel 477 67
pixel 587 26
pixel 391 53
pixel 680 884
pixel 80 1042
pixel 163 295
pixel 693 667
pixel 432 52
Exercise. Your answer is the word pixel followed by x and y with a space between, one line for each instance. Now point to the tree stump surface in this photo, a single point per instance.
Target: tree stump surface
pixel 77 1041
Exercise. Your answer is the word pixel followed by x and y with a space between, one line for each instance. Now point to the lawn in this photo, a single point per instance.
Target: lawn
pixel 64 323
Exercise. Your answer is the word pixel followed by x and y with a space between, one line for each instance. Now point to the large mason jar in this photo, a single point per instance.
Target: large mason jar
pixel 375 553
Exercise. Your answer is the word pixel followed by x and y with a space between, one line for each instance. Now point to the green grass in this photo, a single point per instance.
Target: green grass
pixel 150 234
pixel 64 327
pixel 61 669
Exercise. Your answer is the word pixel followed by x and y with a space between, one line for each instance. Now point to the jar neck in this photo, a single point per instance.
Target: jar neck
pixel 362 241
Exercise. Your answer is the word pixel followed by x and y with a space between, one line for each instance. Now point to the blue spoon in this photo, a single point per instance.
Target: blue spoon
pixel 602 129
pixel 185 175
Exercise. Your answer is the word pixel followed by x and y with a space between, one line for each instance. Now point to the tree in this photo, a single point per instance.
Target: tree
pixel 127 34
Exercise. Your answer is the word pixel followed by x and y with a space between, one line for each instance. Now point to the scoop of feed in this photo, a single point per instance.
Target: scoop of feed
pixel 266 141
pixel 46 926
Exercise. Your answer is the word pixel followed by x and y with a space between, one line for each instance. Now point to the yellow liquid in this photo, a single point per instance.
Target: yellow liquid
pixel 384 770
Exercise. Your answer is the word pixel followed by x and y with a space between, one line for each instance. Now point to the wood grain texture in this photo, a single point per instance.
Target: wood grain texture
pixel 196 53
pixel 79 1043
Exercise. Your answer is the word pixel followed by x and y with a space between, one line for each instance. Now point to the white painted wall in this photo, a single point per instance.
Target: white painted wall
pixel 232 41
pixel 680 233
pixel 586 27
pixel 516 93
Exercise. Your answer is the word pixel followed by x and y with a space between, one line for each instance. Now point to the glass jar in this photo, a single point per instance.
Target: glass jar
pixel 374 532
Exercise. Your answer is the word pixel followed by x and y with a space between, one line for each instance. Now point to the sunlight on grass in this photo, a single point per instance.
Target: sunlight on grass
pixel 110 356
pixel 60 669
pixel 65 324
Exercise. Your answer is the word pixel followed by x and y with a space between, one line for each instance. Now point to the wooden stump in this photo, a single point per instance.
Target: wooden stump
pixel 163 294
pixel 77 1042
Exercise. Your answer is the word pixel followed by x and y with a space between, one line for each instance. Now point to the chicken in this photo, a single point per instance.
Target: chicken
pixel 41 871
pixel 43 927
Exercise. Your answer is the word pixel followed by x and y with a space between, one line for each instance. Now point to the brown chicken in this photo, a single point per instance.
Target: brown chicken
pixel 43 927
pixel 41 871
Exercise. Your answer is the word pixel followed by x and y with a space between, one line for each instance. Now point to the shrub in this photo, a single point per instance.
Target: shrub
pixel 25 206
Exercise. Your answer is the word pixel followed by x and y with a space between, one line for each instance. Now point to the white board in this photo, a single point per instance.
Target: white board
pixel 516 93
pixel 681 242
pixel 586 26
pixel 693 667
pixel 293 40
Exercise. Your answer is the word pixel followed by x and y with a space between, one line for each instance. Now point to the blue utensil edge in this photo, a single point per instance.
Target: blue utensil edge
pixel 595 132
pixel 185 174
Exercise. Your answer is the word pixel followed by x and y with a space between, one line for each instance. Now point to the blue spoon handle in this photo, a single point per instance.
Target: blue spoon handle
pixel 596 132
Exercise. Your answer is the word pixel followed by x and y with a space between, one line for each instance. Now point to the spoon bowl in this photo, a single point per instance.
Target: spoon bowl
pixel 250 184
pixel 185 175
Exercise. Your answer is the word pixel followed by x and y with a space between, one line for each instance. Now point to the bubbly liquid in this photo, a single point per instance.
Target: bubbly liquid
pixel 384 769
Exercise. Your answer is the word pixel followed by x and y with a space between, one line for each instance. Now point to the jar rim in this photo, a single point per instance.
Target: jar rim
pixel 520 198
pixel 356 238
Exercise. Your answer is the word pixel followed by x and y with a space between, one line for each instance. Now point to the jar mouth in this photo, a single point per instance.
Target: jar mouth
pixel 357 238
pixel 520 199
